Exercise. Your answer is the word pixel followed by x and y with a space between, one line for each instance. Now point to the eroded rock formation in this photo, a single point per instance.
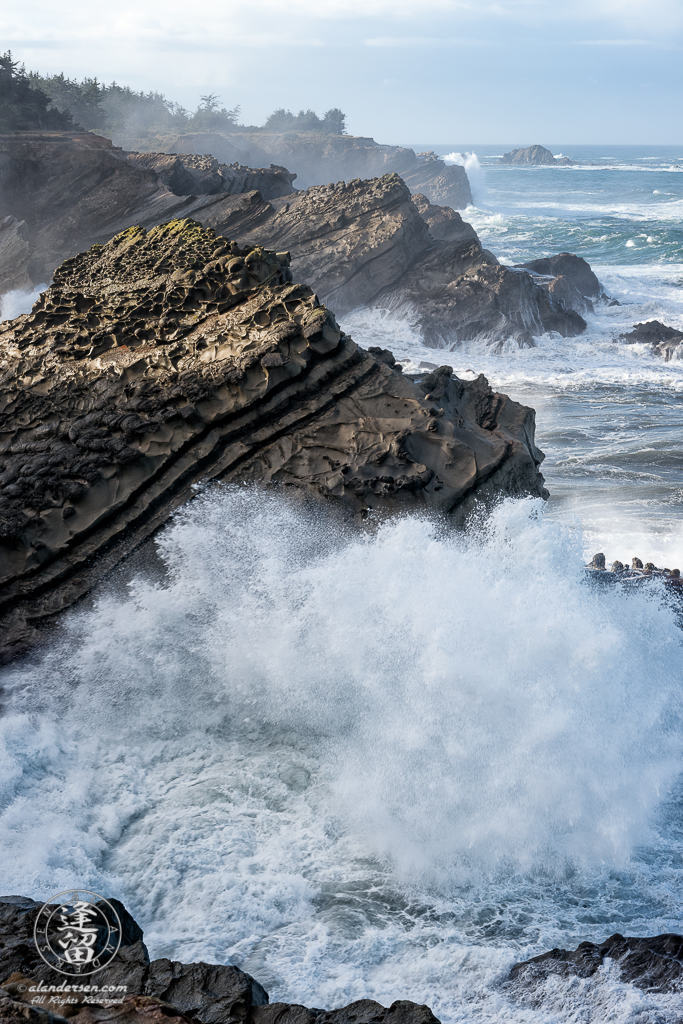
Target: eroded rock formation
pixel 142 989
pixel 168 357
pixel 205 176
pixel 654 964
pixel 569 280
pixel 319 159
pixel 72 189
pixel 355 242
pixel 444 223
pixel 536 156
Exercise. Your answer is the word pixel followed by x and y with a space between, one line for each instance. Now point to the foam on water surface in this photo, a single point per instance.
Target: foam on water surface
pixel 389 761
pixel 385 764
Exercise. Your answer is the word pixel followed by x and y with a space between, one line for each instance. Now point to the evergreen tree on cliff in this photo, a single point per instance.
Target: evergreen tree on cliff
pixel 333 122
pixel 23 108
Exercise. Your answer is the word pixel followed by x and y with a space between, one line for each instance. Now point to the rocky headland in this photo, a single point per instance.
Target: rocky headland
pixel 534 156
pixel 354 242
pixel 134 990
pixel 318 159
pixel 168 357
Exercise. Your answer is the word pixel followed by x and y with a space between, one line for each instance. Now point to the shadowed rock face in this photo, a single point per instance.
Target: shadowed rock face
pixel 443 222
pixel 319 159
pixel 204 175
pixel 71 189
pixel 355 242
pixel 654 964
pixel 168 357
pixel 665 341
pixel 569 280
pixel 157 990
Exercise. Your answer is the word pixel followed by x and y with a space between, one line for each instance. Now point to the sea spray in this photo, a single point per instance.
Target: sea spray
pixel 378 761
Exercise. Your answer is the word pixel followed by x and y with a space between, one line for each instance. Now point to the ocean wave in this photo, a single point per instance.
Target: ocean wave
pixel 357 765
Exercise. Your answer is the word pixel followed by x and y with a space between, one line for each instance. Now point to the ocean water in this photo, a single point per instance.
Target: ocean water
pixel 390 761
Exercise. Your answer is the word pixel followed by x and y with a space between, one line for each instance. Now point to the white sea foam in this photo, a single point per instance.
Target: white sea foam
pixel 14 303
pixel 475 173
pixel 382 766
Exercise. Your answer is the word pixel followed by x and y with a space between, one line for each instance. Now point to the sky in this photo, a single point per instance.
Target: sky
pixel 518 72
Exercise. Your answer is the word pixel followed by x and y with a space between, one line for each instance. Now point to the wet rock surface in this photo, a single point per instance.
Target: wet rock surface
pixel 458 291
pixel 140 990
pixel 665 341
pixel 654 964
pixel 636 569
pixel 175 356
pixel 569 280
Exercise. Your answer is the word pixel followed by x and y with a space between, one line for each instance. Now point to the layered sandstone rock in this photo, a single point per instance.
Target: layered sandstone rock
pixel 174 356
pixel 140 990
pixel 318 159
pixel 72 189
pixel 205 176
pixel 355 242
pixel 444 223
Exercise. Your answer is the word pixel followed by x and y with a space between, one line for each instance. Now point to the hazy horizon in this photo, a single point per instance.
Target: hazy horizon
pixel 604 72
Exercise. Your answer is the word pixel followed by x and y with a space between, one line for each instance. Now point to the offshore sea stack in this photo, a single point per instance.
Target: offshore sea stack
pixel 166 358
pixel 141 991
pixel 535 156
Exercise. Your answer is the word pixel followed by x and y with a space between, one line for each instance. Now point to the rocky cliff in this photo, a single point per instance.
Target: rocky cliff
pixel 174 356
pixel 134 990
pixel 318 159
pixel 355 242
pixel 62 191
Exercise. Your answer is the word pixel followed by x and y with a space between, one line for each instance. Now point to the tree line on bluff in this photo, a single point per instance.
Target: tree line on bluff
pixel 29 101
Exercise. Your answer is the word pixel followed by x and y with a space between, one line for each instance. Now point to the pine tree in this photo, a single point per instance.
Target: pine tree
pixel 23 108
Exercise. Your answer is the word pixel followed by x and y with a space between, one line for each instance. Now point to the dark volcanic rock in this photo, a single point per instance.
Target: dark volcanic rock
pixel 665 341
pixel 536 156
pixel 654 964
pixel 166 358
pixel 198 993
